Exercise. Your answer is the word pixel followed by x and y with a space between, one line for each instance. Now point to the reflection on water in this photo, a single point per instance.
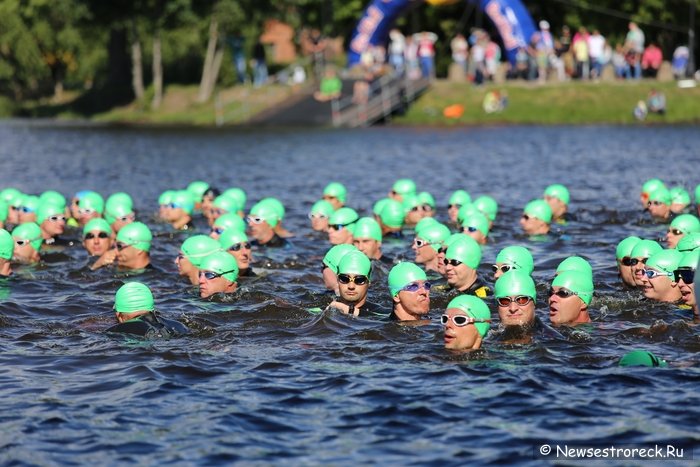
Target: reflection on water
pixel 263 379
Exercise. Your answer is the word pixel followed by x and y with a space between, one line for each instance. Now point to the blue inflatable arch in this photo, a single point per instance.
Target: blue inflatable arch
pixel 511 18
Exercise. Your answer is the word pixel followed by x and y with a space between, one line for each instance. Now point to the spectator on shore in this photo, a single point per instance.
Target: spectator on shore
pixel 544 49
pixel 492 57
pixel 581 54
pixel 680 61
pixel 460 52
pixel 619 62
pixel 397 50
pixel 477 58
pixel 259 65
pixel 411 56
pixel 330 88
pixel 426 53
pixel 563 51
pixel 634 47
pixel 651 60
pixel 596 53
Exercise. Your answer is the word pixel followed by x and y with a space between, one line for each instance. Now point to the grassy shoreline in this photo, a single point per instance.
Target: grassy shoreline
pixel 570 103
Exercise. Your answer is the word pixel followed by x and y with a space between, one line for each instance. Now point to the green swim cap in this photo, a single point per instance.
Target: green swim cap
pixel 198 247
pixel 221 263
pixel 276 205
pixel 409 202
pixel 4 209
pixel 642 358
pixel 239 195
pixel 30 202
pixel 136 234
pixel 559 192
pixel 9 194
pixel 665 261
pixel 344 216
pixel 679 195
pixel 466 250
pixel 392 214
pixel 455 237
pixel 367 227
pixel 435 235
pixel 322 207
pixel 405 186
pixel 118 205
pixel 513 283
pixel 336 190
pixel 53 197
pixel 92 200
pixel 624 248
pixel 575 263
pixel 335 254
pixel 478 221
pixel 539 209
pixel 355 262
pixel 690 260
pixel 661 194
pixel 133 296
pixel 48 209
pixel 577 281
pixel 473 307
pixel 379 205
pixel 29 231
pixel 488 206
pixel 197 189
pixel 403 274
pixel 183 199
pixel 98 224
pixel 466 210
pixel 689 242
pixel 652 184
pixel 517 257
pixel 686 223
pixel 266 212
pixel 230 220
pixel 426 198
pixel 7 244
pixel 232 237
pixel 645 248
pixel 165 197
pixel 423 223
pixel 226 203
pixel 460 197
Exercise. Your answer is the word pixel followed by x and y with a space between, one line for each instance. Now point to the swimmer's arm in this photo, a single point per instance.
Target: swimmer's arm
pixel 106 259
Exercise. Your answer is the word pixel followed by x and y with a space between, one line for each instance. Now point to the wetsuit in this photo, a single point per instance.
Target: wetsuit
pixel 478 289
pixel 275 242
pixel 368 310
pixel 247 272
pixel 150 325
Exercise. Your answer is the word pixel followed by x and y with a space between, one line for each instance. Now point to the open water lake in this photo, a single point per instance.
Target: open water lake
pixel 263 381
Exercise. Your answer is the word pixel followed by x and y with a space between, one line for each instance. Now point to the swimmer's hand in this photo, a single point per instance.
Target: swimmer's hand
pixel 107 258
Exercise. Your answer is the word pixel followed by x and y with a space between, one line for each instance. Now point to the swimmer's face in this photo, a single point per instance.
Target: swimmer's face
pixel 243 254
pixel 54 225
pixel 330 280
pixel 335 202
pixel 678 208
pixel 97 242
pixel 658 209
pixel 368 246
pixel 164 212
pixel 13 215
pixel 319 222
pixel 26 216
pixel 476 234
pixel 687 292
pixel 415 303
pixel 458 276
pixel 558 206
pixel 452 211
pixel 637 269
pixel 260 230
pixel 121 221
pixel 501 268
pixel 626 273
pixel 460 337
pixel 440 262
pixel 351 291
pixel 219 284
pixel 425 252
pixel 24 252
pixel 339 235
pixel 414 215
pixel 128 256
pixel 86 215
pixel 513 314
pixel 184 265
pixel 673 236
pixel 533 226
pixel 660 288
pixel 564 310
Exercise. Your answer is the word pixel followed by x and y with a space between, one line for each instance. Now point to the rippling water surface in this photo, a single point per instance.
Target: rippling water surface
pixel 263 381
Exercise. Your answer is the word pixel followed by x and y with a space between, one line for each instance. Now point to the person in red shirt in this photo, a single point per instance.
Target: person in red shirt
pixel 651 60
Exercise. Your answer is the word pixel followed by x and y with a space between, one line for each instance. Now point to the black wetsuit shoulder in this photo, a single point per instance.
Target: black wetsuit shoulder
pixel 275 242
pixel 150 325
pixel 478 289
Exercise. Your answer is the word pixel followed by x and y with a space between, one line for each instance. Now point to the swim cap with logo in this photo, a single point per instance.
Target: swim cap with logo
pixel 404 186
pixel 473 307
pixel 29 231
pixel 539 209
pixel 624 248
pixel 266 212
pixel 642 358
pixel 559 192
pixel 344 216
pixel 133 296
pixel 661 195
pixel 460 198
pixel 336 190
pixel 92 200
pixel 367 227
pixel 575 263
pixel 513 283
pixel 645 248
pixel 477 221
pixel 230 220
pixel 517 257
pixel 238 194
pixel 403 274
pixel 198 247
pixel 48 209
pixel 98 224
pixel 355 262
pixel 335 254
pixel 221 263
pixel 665 261
pixel 136 234
pixel 577 281
pixel 184 200
pixel 197 189
pixel 435 235
pixel 466 250
pixel 679 195
pixel 322 207
pixel 232 237
pixel 686 223
pixel 689 242
pixel 488 206
pixel 7 244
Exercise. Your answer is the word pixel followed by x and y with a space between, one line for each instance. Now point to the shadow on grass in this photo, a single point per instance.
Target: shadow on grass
pixel 93 102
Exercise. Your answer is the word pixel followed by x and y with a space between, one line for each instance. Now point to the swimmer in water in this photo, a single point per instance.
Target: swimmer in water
pixel 135 311
pixel 197 190
pixel 513 257
pixel 225 222
pixel 410 293
pixel 476 225
pixel 341 225
pixel 658 282
pixel 639 256
pixel 557 196
pixel 354 274
pixel 461 261
pixel 27 209
pixel 119 210
pixel 457 199
pixel 649 186
pixel 52 221
pixel 367 237
pixel 218 274
pixel 569 297
pixel 680 200
pixel 237 245
pixel 181 210
pixel 223 204
pixel 164 204
pixel 262 220
pixel 536 218
pixel 27 238
pixel 684 276
pixel 98 240
pixel 427 243
pixel 401 188
pixel 574 263
pixel 192 253
pixel 391 217
pixel 659 204
pixel 90 206
pixel 320 212
pixel 623 259
pixel 515 295
pixel 133 246
pixel 681 225
pixel 7 245
pixel 336 194
pixel 488 207
pixel 329 268
pixel 467 320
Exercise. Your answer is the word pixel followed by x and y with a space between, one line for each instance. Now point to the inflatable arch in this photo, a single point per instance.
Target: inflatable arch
pixel 511 18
